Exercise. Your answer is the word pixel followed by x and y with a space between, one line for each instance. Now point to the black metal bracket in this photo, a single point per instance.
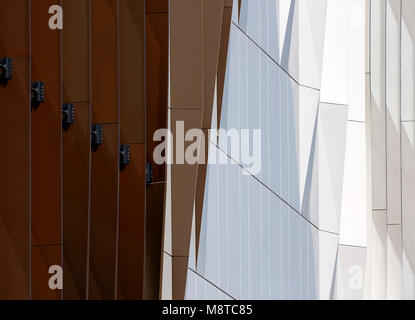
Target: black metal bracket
pixel 68 114
pixel 97 136
pixel 149 173
pixel 124 155
pixel 6 70
pixel 38 93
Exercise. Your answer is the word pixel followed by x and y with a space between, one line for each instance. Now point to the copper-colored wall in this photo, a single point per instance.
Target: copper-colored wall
pixel 157 40
pixel 46 165
pixel 104 161
pixel 104 211
pixel 62 201
pixel 132 125
pixel 15 153
pixel 76 146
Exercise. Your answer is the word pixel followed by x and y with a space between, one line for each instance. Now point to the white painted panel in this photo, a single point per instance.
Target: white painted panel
pixel 223 225
pixel 354 204
pixel 234 230
pixel 166 288
pixel 254 238
pixel 377 255
pixel 408 209
pixel 284 139
pixel 293 142
pixel 295 254
pixel 393 110
pixel 276 229
pixel 306 116
pixel 191 286
pixel 304 244
pixel 289 37
pixel 350 273
pixel 235 12
pixel 275 126
pixel 244 237
pixel 265 244
pixel 313 264
pixel 328 244
pixel 264 121
pixel 394 262
pixel 408 60
pixel 332 125
pixel 209 237
pixel 334 81
pixel 263 25
pixel 243 80
pixel 356 12
pixel 273 47
pixel 285 244
pixel 312 22
pixel 378 89
pixel 230 103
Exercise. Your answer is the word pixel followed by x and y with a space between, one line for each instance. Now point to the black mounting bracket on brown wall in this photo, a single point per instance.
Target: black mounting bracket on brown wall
pixel 37 89
pixel 6 70
pixel 124 155
pixel 96 135
pixel 68 114
pixel 149 172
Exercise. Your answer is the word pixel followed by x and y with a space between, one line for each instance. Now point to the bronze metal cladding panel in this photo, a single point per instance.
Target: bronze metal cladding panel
pixel 186 54
pixel 43 257
pixel 104 61
pixel 46 129
pixel 131 226
pixel 104 210
pixel 179 273
pixel 76 145
pixel 76 51
pixel 14 26
pixel 15 183
pixel 157 6
pixel 154 230
pixel 157 42
pixel 76 166
pixel 132 105
pixel 183 185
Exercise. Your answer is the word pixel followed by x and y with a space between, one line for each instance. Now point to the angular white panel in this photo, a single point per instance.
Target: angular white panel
pixel 276 229
pixel 234 231
pixel 285 254
pixel 312 21
pixel 408 209
pixel 275 128
pixel 394 262
pixel 295 254
pixel 350 273
pixel 354 204
pixel 208 264
pixel 306 116
pixel 266 245
pixel 408 60
pixel 334 79
pixel 356 12
pixel 223 211
pixel 378 89
pixel 331 145
pixel 254 238
pixel 393 110
pixel 377 255
pixel 327 254
pixel 265 87
pixel 244 239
